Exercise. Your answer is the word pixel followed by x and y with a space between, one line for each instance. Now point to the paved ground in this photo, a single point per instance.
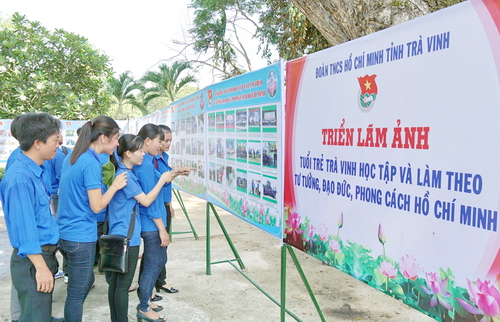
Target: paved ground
pixel 226 295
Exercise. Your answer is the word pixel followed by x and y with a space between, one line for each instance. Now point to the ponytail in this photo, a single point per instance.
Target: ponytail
pixel 90 132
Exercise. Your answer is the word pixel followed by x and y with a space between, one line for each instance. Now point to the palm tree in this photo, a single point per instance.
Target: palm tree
pixel 166 83
pixel 121 90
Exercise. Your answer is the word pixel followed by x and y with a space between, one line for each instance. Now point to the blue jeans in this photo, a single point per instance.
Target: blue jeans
pixel 80 276
pixel 154 259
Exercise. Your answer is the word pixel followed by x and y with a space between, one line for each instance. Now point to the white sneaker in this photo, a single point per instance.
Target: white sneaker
pixel 65 280
pixel 59 274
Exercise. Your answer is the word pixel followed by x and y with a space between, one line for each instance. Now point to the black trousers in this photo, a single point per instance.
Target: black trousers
pixel 118 288
pixel 35 306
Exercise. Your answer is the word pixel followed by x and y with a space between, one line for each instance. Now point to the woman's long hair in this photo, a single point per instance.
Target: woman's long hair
pixel 128 142
pixel 90 132
pixel 151 131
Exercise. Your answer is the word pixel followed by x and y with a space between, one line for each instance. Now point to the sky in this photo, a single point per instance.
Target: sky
pixel 135 35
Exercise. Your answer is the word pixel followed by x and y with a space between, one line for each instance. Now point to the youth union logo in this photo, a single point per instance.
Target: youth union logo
pixel 368 93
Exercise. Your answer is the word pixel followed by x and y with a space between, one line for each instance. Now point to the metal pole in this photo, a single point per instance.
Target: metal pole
pixel 304 280
pixel 208 264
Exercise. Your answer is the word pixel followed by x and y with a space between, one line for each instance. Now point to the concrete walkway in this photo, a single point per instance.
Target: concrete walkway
pixel 226 295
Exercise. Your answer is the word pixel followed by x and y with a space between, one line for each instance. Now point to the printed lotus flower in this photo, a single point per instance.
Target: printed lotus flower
pixel 388 269
pixel 340 222
pixel 244 207
pixel 323 232
pixel 381 237
pixel 310 233
pixel 438 289
pixel 335 246
pixel 268 219
pixel 226 197
pixel 262 209
pixel 487 299
pixel 408 268
pixel 293 225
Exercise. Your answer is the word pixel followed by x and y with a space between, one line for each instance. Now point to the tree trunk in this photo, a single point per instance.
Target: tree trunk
pixel 342 20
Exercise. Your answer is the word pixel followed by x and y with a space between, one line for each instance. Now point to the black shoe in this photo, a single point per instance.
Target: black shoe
pixel 142 317
pixel 156 309
pixel 168 290
pixel 156 298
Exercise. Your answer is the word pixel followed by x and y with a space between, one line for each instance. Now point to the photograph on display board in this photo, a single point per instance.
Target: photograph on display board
pixel 230 177
pixel 254 152
pixel 254 184
pixel 220 148
pixel 201 169
pixel 254 119
pixel 241 180
pixel 219 117
pixel 270 154
pixel 201 123
pixel 188 125
pixel 230 122
pixel 270 188
pixel 201 146
pixel 194 124
pixel 182 127
pixel 241 120
pixel 269 119
pixel 241 151
pixel 212 147
pixel 211 122
pixel 194 146
pixel 212 171
pixel 230 150
pixel 220 173
pixel 173 127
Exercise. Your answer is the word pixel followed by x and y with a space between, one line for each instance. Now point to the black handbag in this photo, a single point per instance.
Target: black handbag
pixel 114 249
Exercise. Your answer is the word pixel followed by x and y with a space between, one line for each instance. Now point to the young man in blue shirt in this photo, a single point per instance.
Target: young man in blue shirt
pixel 31 225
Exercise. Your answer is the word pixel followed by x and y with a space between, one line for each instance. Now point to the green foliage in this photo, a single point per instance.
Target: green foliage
pixel 50 71
pixel 122 91
pixel 166 83
pixel 283 26
pixel 216 32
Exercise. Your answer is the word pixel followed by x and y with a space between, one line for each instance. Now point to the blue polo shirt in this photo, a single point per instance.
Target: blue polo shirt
pixel 55 170
pixel 148 177
pixel 163 167
pixel 46 174
pixel 26 204
pixel 77 222
pixel 121 207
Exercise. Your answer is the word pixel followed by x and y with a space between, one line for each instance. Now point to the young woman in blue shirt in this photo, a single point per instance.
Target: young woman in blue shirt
pixel 80 199
pixel 122 206
pixel 153 222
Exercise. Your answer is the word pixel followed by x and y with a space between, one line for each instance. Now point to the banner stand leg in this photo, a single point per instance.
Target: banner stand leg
pixel 177 195
pixel 302 275
pixel 230 242
pixel 284 310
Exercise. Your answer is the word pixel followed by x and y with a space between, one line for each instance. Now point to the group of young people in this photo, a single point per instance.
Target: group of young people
pixel 140 193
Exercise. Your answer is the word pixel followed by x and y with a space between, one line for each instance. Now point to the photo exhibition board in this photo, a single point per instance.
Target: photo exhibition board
pixel 244 145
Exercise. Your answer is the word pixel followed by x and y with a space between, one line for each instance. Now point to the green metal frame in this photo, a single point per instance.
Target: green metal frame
pixel 282 304
pixel 177 195
pixel 284 248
